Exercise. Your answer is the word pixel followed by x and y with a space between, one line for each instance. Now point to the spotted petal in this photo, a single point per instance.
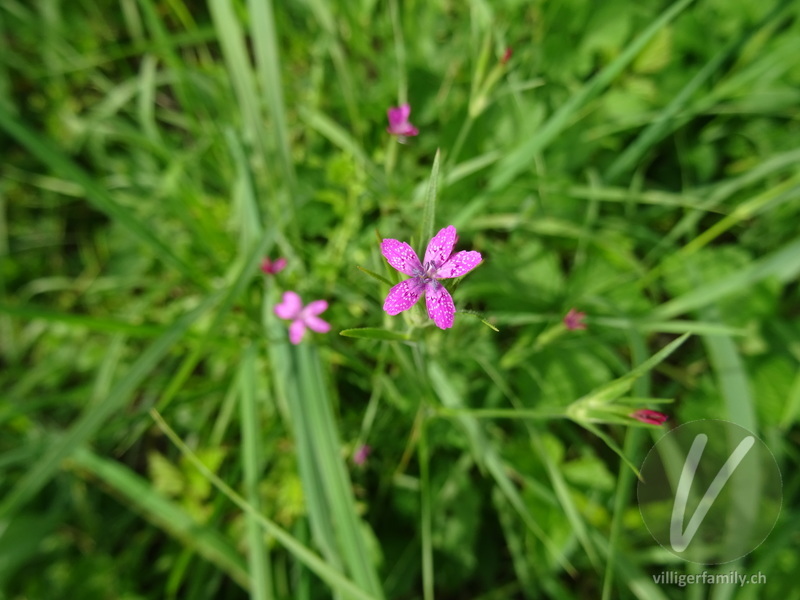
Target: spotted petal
pixel 440 305
pixel 440 246
pixel 458 264
pixel 401 256
pixel 403 296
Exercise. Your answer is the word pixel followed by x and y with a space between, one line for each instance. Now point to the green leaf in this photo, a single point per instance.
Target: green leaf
pixel 258 557
pixel 375 333
pixel 615 389
pixel 429 209
pixel 480 317
pixel 377 276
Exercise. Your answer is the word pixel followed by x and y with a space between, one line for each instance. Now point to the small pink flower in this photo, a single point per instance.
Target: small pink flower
pixel 301 316
pixel 438 265
pixel 650 417
pixel 506 55
pixel 269 267
pixel 361 454
pixel 398 122
pixel 574 319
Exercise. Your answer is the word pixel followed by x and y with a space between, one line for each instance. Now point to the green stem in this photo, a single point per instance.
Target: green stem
pixel 425 501
pixel 462 136
pixel 500 413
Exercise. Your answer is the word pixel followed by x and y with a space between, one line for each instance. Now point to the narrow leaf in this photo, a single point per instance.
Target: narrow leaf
pixel 375 333
pixel 429 209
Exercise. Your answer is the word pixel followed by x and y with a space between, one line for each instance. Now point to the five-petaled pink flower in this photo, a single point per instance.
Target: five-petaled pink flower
pixel 270 267
pixel 398 122
pixel 574 319
pixel 361 454
pixel 302 316
pixel 425 276
pixel 650 417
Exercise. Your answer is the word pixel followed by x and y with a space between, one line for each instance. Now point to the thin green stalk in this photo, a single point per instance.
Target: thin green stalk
pixel 400 53
pixel 460 139
pixel 425 511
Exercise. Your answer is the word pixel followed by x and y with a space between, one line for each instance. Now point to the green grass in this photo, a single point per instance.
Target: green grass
pixel 162 438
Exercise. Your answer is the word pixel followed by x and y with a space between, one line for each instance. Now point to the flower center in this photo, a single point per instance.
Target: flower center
pixel 430 270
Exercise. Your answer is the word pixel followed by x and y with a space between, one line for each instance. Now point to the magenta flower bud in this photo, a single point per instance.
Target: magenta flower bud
pixel 650 417
pixel 269 267
pixel 574 319
pixel 361 454
pixel 399 124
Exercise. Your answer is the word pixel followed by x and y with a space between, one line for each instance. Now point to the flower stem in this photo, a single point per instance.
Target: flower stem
pixel 462 136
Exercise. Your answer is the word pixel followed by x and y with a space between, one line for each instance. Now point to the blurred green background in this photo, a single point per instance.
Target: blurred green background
pixel 162 439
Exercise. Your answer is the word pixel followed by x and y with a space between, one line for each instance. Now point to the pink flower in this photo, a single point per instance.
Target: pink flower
pixel 438 265
pixel 506 55
pixel 301 316
pixel 574 319
pixel 269 267
pixel 398 122
pixel 650 417
pixel 361 454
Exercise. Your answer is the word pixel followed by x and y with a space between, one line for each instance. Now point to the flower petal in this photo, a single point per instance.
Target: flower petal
pixel 279 265
pixel 314 308
pixel 398 116
pixel 440 246
pixel 401 256
pixel 290 307
pixel 403 296
pixel 440 305
pixel 317 324
pixel 296 331
pixel 405 111
pixel 460 263
pixel 403 131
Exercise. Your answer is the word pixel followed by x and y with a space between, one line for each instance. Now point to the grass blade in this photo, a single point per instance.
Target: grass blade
pixel 665 121
pixel 165 513
pixel 374 333
pixel 265 40
pixel 95 416
pixel 323 433
pixel 232 40
pixel 429 208
pixel 783 264
pixel 326 482
pixel 323 570
pixel 519 159
pixel 259 564
pixel 63 166
pixel 487 457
